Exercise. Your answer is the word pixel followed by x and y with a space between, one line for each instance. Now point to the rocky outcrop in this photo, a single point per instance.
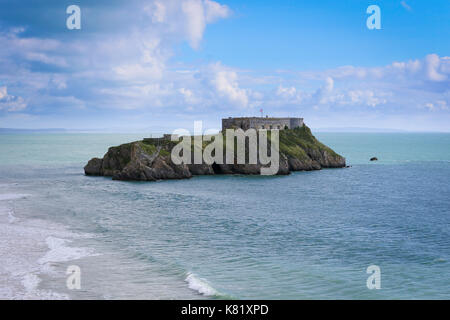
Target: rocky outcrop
pixel 136 161
pixel 94 167
pixel 150 159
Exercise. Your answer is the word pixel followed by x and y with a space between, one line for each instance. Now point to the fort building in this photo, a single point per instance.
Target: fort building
pixel 246 123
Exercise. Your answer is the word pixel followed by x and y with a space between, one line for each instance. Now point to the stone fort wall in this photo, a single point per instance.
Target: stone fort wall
pixel 246 123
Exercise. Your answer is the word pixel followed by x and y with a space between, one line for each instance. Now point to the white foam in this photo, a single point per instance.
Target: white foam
pixel 200 285
pixel 28 249
pixel 60 252
pixel 12 196
pixel 11 217
pixel 31 282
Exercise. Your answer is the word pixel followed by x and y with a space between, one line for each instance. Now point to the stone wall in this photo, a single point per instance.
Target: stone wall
pixel 261 123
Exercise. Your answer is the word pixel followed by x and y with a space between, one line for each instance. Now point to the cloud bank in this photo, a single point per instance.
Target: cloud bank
pixel 134 70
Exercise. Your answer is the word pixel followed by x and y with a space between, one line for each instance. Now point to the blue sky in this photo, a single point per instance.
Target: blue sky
pixel 159 65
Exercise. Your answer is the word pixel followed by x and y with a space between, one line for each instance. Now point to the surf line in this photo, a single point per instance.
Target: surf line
pixel 193 310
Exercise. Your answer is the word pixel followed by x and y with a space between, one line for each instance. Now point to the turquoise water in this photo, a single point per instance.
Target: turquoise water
pixel 309 235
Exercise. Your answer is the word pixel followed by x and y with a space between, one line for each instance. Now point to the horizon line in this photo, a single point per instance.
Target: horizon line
pixel 143 130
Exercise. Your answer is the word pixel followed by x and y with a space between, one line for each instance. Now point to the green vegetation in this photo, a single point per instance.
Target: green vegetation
pixel 296 143
pixel 165 153
pixel 148 148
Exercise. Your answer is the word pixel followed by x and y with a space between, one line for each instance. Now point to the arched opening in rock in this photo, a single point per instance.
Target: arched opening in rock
pixel 216 168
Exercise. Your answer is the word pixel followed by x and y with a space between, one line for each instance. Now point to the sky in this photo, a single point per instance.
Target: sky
pixel 156 66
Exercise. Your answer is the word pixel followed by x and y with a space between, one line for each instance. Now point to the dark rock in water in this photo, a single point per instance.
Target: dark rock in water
pixel 94 167
pixel 150 159
pixel 374 159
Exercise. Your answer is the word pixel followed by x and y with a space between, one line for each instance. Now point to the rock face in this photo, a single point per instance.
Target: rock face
pixel 94 167
pixel 150 159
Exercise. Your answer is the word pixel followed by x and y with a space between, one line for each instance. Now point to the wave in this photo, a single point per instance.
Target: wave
pixel 11 217
pixel 60 252
pixel 12 196
pixel 29 248
pixel 200 285
pixel 31 282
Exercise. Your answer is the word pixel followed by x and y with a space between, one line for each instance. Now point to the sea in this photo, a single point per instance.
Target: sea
pixel 308 235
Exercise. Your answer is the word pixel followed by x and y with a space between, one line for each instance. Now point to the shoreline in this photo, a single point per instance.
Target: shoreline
pixel 36 253
pixel 30 249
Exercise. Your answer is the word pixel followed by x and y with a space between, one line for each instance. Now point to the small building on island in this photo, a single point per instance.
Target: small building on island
pixel 246 123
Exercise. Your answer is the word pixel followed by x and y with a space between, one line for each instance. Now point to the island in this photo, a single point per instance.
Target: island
pixel 150 159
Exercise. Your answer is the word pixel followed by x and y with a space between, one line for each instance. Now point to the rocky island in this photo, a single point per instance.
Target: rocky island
pixel 150 159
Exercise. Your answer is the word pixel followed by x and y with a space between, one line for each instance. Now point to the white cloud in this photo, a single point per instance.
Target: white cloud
pixel 287 92
pixel 157 11
pixel 195 21
pixel 9 102
pixel 431 68
pixel 323 94
pixel 3 92
pixel 185 18
pixel 188 96
pixel 128 64
pixel 134 68
pixel 140 72
pixel 226 84
pixel 432 65
pixel 436 106
pixel 290 95
pixel 430 106
pixel 44 58
pixel 58 81
pixel 364 97
pixel 215 11
pixel 197 14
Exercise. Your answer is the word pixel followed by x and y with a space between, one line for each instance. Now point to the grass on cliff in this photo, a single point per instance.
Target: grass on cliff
pixel 150 146
pixel 295 143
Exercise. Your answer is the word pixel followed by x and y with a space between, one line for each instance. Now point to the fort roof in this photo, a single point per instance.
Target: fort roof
pixel 261 123
pixel 260 118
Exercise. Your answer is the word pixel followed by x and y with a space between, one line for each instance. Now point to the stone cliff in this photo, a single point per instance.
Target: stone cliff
pixel 150 159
